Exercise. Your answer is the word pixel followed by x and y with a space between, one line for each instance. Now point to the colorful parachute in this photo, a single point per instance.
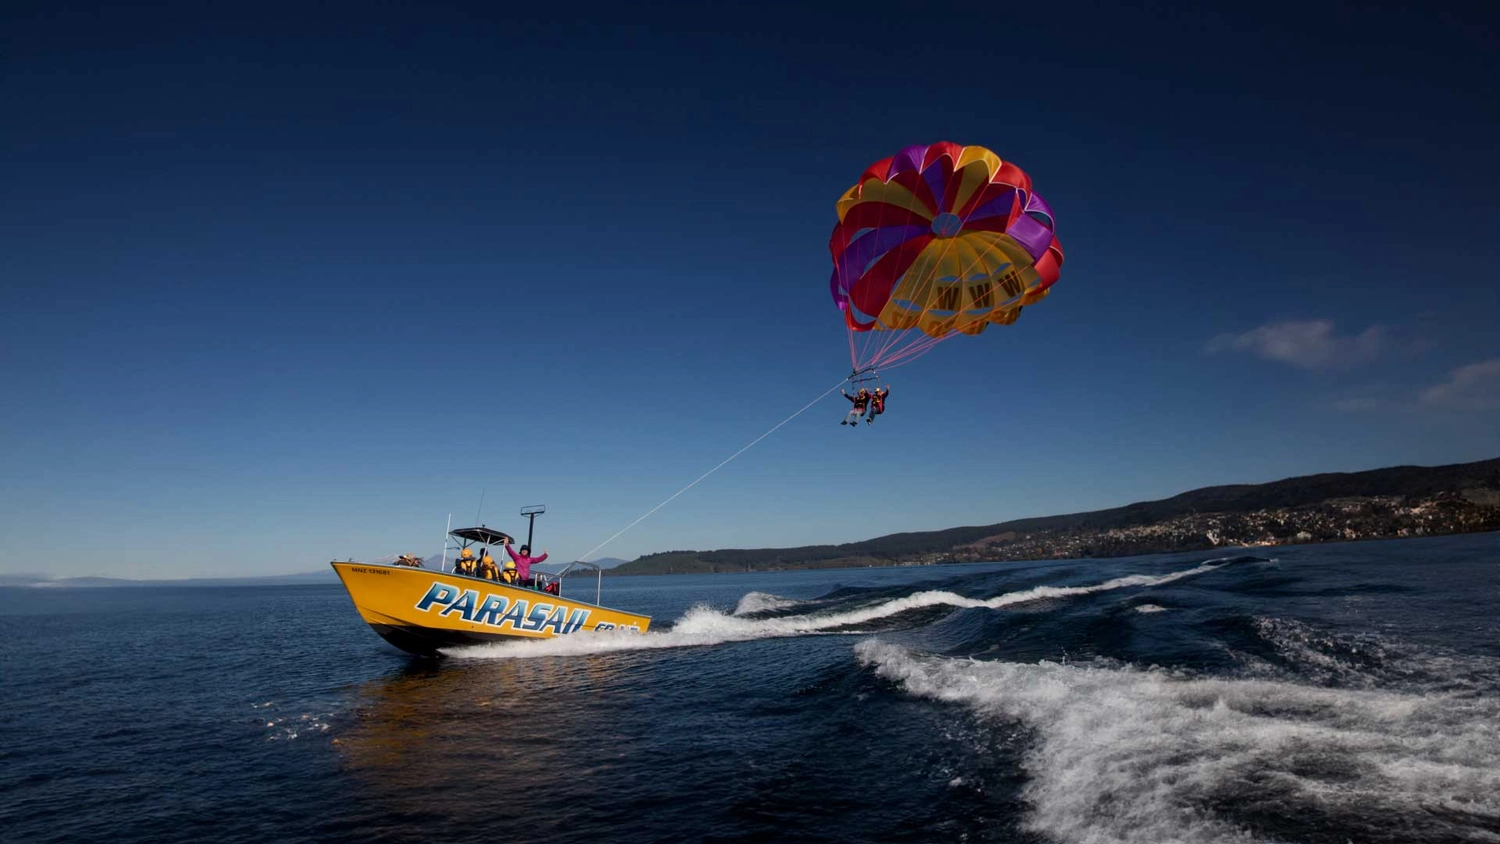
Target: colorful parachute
pixel 938 241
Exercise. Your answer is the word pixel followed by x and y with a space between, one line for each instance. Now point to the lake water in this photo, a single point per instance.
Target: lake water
pixel 1302 694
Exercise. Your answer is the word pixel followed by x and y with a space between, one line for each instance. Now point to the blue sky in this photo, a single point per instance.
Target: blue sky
pixel 282 285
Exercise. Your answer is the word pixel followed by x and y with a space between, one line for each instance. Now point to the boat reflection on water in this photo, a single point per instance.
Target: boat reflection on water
pixel 467 742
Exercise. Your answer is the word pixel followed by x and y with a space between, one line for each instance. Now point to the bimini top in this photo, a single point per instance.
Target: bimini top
pixel 482 535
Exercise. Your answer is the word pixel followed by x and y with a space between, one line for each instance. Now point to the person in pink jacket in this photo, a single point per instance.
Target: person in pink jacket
pixel 524 561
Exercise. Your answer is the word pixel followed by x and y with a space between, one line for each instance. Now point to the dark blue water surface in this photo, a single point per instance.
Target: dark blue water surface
pixel 1309 694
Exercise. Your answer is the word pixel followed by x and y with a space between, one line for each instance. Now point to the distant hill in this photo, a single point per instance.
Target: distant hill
pixel 87 582
pixel 323 575
pixel 41 581
pixel 22 579
pixel 1473 485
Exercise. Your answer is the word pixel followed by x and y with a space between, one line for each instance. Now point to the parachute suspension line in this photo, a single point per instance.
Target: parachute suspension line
pixel 872 338
pixel 864 344
pixel 887 348
pixel 874 345
pixel 881 344
pixel 859 377
pixel 880 341
pixel 722 464
pixel 907 356
pixel 914 351
pixel 926 344
pixel 891 343
pixel 920 346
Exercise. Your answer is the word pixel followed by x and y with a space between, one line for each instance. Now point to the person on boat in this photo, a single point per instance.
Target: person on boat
pixel 861 401
pixel 523 561
pixel 465 564
pixel 411 560
pixel 487 568
pixel 877 404
pixel 508 574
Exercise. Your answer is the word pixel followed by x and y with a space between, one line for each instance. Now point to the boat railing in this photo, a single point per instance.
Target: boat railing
pixel 579 567
pixel 574 569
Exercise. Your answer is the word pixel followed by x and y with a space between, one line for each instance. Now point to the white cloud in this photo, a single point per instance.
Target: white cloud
pixel 1474 386
pixel 1309 344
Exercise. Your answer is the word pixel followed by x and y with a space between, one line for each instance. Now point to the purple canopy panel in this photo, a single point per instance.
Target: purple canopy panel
pixel 1033 236
pixel 936 178
pixel 908 159
pixel 995 207
pixel 871 245
pixel 1036 203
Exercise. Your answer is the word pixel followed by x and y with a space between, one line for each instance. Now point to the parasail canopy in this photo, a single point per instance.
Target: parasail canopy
pixel 935 242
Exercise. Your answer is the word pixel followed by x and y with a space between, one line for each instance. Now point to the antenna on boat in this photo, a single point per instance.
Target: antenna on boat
pixel 531 511
pixel 444 565
pixel 480 509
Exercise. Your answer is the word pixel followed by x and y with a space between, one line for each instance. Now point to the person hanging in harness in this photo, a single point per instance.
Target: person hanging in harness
pixel 861 401
pixel 877 404
pixel 487 568
pixel 523 562
pixel 465 564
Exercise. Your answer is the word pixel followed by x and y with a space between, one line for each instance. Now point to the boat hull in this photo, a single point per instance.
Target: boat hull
pixel 422 611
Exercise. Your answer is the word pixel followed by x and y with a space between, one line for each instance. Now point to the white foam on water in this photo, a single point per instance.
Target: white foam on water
pixel 703 625
pixel 1150 608
pixel 1369 660
pixel 290 727
pixel 1126 755
pixel 755 602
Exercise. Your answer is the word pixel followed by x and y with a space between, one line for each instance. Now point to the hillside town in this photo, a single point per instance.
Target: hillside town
pixel 1391 503
pixel 1381 517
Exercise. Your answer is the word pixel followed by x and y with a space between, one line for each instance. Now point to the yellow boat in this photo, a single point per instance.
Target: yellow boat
pixel 420 610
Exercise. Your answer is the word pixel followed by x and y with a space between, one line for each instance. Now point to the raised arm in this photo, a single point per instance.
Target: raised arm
pixel 512 552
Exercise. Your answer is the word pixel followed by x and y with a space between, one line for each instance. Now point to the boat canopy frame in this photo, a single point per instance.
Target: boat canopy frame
pixel 480 536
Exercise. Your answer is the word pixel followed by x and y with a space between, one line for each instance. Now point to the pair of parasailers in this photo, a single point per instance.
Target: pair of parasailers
pixel 866 404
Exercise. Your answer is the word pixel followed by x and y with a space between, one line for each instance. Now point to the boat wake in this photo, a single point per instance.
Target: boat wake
pixel 1125 754
pixel 703 625
pixel 754 603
